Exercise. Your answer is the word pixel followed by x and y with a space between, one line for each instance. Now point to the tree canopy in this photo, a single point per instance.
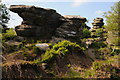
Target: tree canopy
pixel 4 14
pixel 4 17
pixel 113 24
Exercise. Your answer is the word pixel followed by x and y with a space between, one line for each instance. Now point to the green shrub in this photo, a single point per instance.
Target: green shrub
pixel 36 61
pixel 98 45
pixel 48 56
pixel 24 42
pixel 31 41
pixel 10 34
pixel 89 73
pixel 99 32
pixel 97 65
pixel 105 50
pixel 61 49
pixel 86 33
pixel 73 74
pixel 30 51
pixel 69 65
pixel 20 46
pixel 115 52
pixel 106 65
pixel 0 36
pixel 42 41
pixel 8 48
pixel 28 56
pixel 36 50
pixel 103 53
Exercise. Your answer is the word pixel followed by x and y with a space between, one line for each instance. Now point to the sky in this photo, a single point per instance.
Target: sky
pixel 85 8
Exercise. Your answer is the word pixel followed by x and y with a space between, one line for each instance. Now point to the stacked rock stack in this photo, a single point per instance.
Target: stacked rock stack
pixel 97 24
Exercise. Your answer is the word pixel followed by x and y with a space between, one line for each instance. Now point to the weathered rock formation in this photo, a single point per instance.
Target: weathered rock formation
pixel 97 24
pixel 72 27
pixel 37 21
pixel 45 23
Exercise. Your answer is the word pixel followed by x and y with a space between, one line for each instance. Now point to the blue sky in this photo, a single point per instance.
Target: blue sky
pixel 89 10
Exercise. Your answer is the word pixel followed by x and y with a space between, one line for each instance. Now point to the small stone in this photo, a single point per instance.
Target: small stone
pixel 43 46
pixel 44 65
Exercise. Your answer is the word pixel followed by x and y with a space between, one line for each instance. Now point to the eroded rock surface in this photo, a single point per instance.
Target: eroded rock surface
pixel 46 23
pixel 97 24
pixel 72 27
pixel 37 21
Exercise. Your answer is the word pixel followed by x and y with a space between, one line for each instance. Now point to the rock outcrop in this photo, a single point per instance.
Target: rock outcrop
pixel 72 27
pixel 45 23
pixel 37 22
pixel 97 24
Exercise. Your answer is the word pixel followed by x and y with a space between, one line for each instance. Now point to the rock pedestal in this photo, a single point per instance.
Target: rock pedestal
pixel 37 22
pixel 44 23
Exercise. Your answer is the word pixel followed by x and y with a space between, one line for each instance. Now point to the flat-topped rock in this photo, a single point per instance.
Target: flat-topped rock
pixel 37 21
pixel 46 23
pixel 20 8
pixel 72 27
pixel 75 17
pixel 98 22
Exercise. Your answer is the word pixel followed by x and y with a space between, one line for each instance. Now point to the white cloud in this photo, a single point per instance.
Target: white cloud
pixel 99 12
pixel 77 3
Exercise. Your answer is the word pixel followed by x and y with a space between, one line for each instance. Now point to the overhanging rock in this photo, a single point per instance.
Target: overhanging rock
pixel 45 23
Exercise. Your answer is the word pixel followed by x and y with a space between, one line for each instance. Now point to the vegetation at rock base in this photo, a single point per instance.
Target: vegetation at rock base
pixel 86 33
pixel 98 45
pixel 103 53
pixel 61 49
pixel 9 35
pixel 99 32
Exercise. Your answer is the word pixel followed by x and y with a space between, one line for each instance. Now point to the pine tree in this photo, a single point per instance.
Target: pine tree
pixel 4 17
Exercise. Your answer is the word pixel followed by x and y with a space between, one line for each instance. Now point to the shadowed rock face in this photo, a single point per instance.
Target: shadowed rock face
pixel 45 23
pixel 36 21
pixel 72 27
